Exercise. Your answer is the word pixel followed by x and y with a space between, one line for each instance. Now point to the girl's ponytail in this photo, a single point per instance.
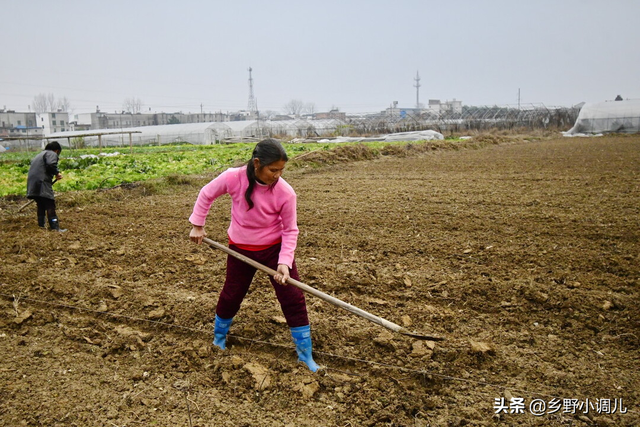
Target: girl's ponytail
pixel 251 176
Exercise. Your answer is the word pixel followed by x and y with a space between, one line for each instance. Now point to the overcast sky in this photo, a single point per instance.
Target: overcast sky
pixel 358 56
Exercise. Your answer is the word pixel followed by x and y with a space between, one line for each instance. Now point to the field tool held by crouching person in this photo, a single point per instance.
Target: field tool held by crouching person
pixel 33 200
pixel 328 298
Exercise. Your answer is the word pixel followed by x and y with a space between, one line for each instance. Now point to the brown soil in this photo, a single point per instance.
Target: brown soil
pixel 523 255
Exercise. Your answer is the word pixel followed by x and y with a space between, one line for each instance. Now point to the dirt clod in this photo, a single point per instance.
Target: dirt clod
pixel 522 255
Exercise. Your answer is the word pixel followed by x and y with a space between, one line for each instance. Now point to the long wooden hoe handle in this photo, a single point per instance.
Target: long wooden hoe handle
pixel 332 300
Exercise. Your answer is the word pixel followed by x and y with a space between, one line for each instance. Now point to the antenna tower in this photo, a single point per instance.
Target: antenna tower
pixel 252 101
pixel 417 86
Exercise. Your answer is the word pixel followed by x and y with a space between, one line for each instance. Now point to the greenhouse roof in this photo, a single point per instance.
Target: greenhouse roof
pixel 202 133
pixel 145 130
pixel 607 117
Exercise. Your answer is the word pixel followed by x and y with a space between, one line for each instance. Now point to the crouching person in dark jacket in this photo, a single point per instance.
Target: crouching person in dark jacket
pixel 44 167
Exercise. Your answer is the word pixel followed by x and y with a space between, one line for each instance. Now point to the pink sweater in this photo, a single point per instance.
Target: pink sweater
pixel 272 218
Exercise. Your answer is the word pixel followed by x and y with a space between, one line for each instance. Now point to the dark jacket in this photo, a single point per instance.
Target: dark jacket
pixel 44 167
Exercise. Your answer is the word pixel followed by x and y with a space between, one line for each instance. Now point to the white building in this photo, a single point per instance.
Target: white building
pixel 53 122
pixel 449 106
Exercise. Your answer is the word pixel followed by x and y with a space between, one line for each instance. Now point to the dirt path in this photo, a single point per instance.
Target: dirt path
pixel 525 256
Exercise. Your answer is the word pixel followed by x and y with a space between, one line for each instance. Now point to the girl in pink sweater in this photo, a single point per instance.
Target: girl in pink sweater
pixel 264 228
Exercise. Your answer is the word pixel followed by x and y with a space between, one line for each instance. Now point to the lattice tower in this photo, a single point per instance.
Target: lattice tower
pixel 417 86
pixel 252 101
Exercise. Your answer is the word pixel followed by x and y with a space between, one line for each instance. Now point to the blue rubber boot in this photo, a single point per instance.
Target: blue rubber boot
pixel 220 330
pixel 302 338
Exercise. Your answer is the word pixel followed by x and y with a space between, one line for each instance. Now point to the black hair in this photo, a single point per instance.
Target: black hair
pixel 266 151
pixel 53 146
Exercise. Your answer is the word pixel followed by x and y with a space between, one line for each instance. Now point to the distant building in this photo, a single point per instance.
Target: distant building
pixel 449 106
pixel 435 108
pixel 81 121
pixel 399 112
pixel 19 125
pixel 283 117
pixel 240 116
pixel 53 122
pixel 434 105
pixel 333 114
pixel 103 120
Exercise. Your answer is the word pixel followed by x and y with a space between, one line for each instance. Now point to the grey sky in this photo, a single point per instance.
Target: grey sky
pixel 359 56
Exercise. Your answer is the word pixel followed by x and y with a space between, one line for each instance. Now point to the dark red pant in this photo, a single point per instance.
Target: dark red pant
pixel 239 278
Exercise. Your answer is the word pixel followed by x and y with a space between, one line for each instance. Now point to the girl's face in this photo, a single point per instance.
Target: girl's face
pixel 269 173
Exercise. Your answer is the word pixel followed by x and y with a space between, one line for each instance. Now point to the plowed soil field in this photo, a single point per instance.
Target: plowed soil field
pixel 523 254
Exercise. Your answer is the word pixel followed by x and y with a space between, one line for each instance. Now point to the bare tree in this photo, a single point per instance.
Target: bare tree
pixel 310 108
pixel 39 103
pixel 295 107
pixel 65 105
pixel 268 114
pixel 52 104
pixel 132 105
pixel 48 103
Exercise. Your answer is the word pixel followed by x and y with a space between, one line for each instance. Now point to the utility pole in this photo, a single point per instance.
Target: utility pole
pixel 252 101
pixel 417 86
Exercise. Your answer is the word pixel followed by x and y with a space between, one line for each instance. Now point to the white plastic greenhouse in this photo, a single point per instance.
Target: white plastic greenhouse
pixel 197 133
pixel 194 133
pixel 607 117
